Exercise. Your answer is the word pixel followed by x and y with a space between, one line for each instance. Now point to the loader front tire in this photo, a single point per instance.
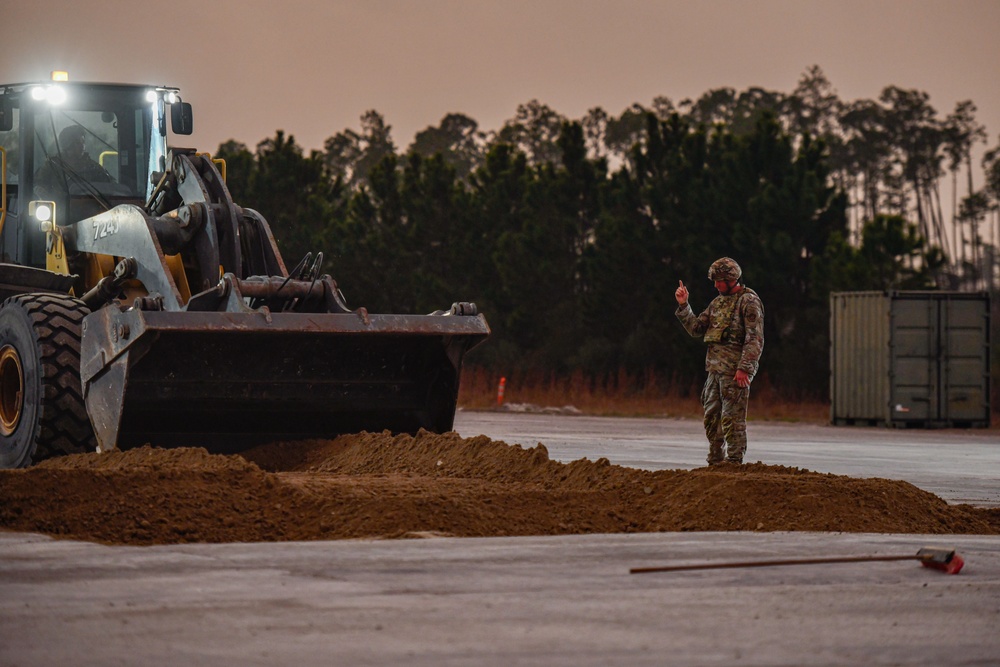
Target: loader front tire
pixel 42 413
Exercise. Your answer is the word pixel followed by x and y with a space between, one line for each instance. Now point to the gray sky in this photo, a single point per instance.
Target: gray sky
pixel 313 67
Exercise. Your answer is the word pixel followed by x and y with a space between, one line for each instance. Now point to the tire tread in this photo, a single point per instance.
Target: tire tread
pixel 64 425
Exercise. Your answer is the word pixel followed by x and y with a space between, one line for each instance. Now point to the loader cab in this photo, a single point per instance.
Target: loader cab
pixel 84 147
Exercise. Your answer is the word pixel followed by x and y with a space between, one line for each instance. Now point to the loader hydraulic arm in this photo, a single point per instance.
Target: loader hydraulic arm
pixel 192 215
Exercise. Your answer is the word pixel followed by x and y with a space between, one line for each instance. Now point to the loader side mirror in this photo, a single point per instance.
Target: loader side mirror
pixel 181 118
pixel 6 115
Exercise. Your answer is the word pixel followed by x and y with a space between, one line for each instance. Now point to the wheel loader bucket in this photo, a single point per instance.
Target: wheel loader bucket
pixel 227 381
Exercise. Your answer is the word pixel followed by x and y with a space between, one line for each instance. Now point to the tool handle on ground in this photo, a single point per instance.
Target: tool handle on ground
pixel 768 563
pixel 938 558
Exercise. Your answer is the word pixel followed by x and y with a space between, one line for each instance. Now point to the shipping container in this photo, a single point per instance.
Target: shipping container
pixel 910 359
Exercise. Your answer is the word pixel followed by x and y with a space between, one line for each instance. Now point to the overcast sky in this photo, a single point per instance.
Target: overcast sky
pixel 312 68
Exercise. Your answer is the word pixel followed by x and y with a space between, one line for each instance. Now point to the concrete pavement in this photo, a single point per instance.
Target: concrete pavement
pixel 543 600
pixel 499 601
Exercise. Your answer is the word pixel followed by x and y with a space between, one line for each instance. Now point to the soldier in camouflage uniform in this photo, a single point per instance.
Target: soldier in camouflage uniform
pixel 733 327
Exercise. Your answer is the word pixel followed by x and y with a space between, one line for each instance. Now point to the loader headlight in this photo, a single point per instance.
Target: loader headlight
pixel 53 94
pixel 169 96
pixel 44 212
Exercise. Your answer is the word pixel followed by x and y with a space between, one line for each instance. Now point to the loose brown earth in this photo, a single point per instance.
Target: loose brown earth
pixel 384 486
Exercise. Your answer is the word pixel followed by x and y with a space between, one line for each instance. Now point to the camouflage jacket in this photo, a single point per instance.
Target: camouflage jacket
pixel 733 327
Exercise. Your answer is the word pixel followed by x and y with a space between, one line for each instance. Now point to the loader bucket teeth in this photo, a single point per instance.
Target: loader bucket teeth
pixel 227 381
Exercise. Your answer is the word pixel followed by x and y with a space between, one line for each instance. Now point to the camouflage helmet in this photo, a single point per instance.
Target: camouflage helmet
pixel 724 268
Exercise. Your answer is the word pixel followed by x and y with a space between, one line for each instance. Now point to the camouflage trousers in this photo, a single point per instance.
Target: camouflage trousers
pixel 725 404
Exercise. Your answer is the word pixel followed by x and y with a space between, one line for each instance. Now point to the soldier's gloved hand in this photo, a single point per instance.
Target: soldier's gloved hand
pixel 681 293
pixel 742 379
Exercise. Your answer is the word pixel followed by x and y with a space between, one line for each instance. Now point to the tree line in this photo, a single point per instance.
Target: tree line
pixel 571 235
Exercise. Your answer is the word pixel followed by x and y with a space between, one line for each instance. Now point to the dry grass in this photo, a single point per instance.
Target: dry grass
pixel 619 397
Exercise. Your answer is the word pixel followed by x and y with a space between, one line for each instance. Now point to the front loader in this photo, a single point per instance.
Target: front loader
pixel 140 304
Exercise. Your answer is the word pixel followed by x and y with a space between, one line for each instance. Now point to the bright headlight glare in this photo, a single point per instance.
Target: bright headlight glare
pixel 55 94
pixel 38 93
pixel 171 97
pixel 151 96
pixel 43 212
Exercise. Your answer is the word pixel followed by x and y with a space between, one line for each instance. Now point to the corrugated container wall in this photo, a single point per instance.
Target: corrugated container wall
pixel 910 359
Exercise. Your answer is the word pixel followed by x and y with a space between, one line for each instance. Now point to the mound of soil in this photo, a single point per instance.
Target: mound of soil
pixel 376 485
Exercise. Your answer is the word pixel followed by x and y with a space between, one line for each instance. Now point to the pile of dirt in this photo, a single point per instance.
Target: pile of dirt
pixel 384 486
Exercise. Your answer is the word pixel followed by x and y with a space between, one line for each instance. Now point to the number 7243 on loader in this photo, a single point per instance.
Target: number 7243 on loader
pixel 140 304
